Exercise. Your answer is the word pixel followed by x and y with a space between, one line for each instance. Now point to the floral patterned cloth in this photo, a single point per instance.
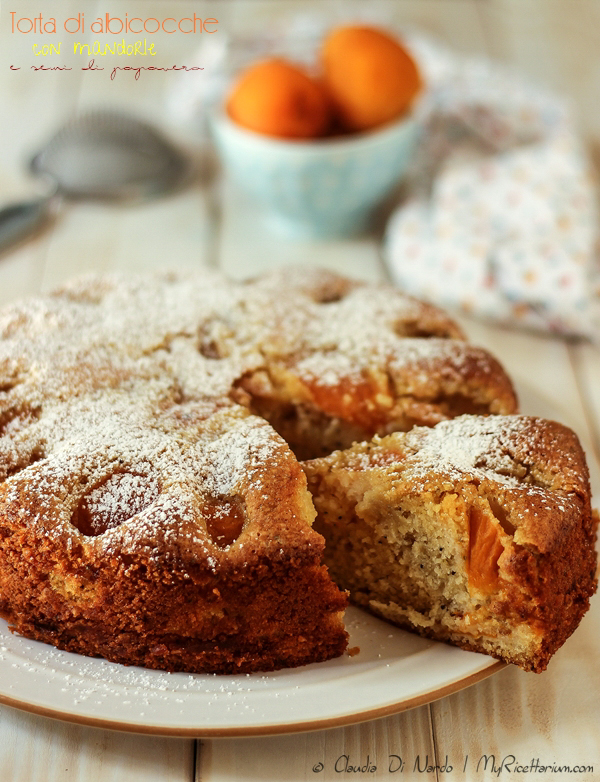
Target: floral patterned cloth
pixel 500 218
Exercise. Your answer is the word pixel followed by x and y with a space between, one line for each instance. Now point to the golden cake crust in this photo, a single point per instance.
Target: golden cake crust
pixel 146 513
pixel 507 499
pixel 190 549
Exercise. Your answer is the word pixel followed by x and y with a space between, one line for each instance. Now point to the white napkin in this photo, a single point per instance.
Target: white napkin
pixel 500 218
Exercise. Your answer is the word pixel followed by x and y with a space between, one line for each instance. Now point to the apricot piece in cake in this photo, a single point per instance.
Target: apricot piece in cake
pixel 478 531
pixel 485 548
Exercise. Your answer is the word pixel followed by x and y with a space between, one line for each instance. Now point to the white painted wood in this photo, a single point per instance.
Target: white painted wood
pixel 247 245
pixel 31 104
pixel 586 362
pixel 175 231
pixel 554 42
pixel 36 749
pixel 322 755
pixel 169 232
pixel 553 716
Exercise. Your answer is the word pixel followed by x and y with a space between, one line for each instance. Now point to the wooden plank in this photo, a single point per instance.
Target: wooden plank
pixel 552 716
pixel 323 755
pixel 31 104
pixel 169 232
pixel 247 246
pixel 173 231
pixel 34 748
pixel 554 42
pixel 586 363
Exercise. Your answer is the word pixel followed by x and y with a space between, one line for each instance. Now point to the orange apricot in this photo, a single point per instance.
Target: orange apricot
pixel 371 78
pixel 485 548
pixel 279 99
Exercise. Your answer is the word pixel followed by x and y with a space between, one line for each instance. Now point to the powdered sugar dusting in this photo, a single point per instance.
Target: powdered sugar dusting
pixel 131 377
pixel 469 445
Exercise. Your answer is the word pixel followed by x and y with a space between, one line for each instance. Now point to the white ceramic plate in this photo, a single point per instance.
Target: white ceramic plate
pixel 394 671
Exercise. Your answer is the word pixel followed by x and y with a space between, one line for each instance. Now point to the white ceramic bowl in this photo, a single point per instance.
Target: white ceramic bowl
pixel 323 188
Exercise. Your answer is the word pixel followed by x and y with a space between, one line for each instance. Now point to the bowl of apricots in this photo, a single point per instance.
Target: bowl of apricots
pixel 320 149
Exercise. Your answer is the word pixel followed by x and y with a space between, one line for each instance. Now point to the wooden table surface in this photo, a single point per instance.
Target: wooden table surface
pixel 554 716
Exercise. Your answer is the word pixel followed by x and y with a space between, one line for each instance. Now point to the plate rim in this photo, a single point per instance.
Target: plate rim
pixel 281 728
pixel 300 726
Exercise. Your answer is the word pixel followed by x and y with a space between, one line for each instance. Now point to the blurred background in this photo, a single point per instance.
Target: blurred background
pixel 554 43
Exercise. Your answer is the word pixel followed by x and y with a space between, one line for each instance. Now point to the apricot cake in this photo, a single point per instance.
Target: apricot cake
pixel 477 531
pixel 152 510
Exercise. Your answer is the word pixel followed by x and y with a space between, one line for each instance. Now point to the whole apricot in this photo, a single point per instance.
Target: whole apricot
pixel 371 78
pixel 279 99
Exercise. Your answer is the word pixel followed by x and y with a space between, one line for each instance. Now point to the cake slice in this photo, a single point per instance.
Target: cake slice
pixel 477 531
